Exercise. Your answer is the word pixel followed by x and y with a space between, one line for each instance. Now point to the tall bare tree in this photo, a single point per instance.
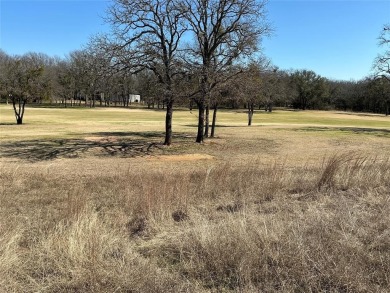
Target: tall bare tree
pixel 382 62
pixel 224 32
pixel 80 73
pixel 147 36
pixel 382 65
pixel 250 87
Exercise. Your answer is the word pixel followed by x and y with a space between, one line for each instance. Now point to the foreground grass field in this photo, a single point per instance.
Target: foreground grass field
pixel 90 201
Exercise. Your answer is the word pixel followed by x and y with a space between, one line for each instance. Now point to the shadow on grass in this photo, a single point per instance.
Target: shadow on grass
pixel 140 134
pixel 356 130
pixel 156 136
pixel 9 124
pixel 120 144
pixel 228 126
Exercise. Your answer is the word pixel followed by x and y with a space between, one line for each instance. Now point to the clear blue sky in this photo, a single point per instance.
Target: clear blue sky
pixel 335 38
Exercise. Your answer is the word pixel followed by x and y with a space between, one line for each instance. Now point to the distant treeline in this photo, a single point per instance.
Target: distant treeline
pixel 83 80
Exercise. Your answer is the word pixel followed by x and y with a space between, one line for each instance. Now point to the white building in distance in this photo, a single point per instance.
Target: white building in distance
pixel 134 98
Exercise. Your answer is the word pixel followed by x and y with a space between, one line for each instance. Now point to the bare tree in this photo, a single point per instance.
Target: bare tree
pixel 148 88
pixel 4 63
pixel 147 36
pixel 382 62
pixel 224 32
pixel 24 81
pixel 65 82
pixel 248 87
pixel 79 72
pixel 382 65
pixel 251 87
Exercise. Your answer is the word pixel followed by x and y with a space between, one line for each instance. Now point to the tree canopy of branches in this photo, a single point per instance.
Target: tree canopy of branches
pixel 382 62
pixel 309 88
pixel 224 32
pixel 147 36
pixel 382 67
pixel 23 79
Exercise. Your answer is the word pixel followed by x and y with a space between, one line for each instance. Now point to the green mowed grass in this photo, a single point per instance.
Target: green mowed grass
pixel 84 118
pixel 293 134
pixel 75 122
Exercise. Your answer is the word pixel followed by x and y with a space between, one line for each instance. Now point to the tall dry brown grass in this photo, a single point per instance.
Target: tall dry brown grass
pixel 251 227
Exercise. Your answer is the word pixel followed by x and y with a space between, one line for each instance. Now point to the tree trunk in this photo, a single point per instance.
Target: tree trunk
pixel 250 113
pixel 214 120
pixel 201 107
pixel 19 112
pixel 168 123
pixel 207 121
pixel 270 107
pixel 304 103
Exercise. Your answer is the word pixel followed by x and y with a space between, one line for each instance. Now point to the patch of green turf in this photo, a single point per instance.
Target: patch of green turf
pixel 41 123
